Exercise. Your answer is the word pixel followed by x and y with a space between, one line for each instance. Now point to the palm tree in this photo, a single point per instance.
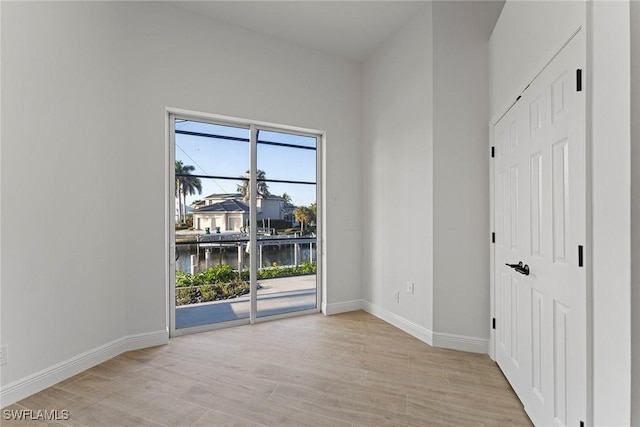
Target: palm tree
pixel 286 198
pixel 303 215
pixel 190 186
pixel 263 188
pixel 185 185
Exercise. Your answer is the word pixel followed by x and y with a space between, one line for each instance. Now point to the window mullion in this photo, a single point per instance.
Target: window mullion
pixel 253 222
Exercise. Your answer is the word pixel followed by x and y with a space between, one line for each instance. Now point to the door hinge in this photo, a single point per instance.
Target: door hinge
pixel 493 237
pixel 493 151
pixel 578 80
pixel 580 256
pixel 493 323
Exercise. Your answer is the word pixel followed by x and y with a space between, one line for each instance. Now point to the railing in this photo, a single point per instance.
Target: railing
pixel 225 241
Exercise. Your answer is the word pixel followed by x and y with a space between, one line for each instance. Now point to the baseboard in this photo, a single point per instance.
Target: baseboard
pixel 45 378
pixel 341 307
pixel 461 342
pixel 436 339
pixel 401 323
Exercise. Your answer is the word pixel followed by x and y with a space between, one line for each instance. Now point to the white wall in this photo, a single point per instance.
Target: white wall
pixel 610 132
pixel 523 40
pixel 635 212
pixel 174 56
pixel 518 48
pixel 426 183
pixel 63 172
pixel 84 138
pixel 461 169
pixel 398 176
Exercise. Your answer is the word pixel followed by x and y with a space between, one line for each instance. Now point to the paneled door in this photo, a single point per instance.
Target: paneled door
pixel 540 219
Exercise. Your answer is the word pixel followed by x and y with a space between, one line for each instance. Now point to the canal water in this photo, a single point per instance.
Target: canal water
pixel 283 254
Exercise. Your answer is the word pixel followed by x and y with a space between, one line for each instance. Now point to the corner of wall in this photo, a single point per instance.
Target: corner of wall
pixel 461 168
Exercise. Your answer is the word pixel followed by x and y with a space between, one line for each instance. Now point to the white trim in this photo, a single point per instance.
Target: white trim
pixel 242 123
pixel 461 342
pixel 253 223
pixel 423 334
pixel 435 339
pixel 342 307
pixel 321 288
pixel 170 235
pixel 18 390
pixel 491 345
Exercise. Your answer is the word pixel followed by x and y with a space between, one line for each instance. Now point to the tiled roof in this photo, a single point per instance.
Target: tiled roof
pixel 224 196
pixel 238 196
pixel 225 206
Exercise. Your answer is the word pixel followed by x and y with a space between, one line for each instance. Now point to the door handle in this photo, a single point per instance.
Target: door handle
pixel 520 268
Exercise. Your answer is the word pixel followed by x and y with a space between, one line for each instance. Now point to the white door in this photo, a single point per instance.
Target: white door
pixel 540 219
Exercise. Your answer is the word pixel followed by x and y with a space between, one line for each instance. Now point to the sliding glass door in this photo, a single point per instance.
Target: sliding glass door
pixel 286 166
pixel 241 255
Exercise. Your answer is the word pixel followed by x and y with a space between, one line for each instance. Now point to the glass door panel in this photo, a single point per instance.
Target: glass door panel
pixel 212 215
pixel 287 217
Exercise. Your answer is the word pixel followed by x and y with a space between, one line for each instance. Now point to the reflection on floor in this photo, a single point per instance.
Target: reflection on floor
pixel 277 296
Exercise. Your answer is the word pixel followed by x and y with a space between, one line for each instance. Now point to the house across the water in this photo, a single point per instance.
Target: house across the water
pixel 230 212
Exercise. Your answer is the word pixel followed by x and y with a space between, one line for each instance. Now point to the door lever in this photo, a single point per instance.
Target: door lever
pixel 523 270
pixel 520 268
pixel 514 265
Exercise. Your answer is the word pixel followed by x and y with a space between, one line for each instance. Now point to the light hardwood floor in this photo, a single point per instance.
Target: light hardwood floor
pixel 345 370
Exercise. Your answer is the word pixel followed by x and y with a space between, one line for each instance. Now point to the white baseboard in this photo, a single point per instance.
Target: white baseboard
pixel 436 339
pixel 341 307
pixel 461 342
pixel 401 323
pixel 45 378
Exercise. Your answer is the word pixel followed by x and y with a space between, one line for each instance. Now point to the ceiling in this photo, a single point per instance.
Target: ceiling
pixel 350 29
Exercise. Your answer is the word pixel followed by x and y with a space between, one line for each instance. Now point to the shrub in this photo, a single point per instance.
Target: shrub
pixel 212 292
pixel 223 282
pixel 219 273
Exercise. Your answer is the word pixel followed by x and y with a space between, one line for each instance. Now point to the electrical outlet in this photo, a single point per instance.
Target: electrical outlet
pixel 410 288
pixel 396 296
pixel 3 355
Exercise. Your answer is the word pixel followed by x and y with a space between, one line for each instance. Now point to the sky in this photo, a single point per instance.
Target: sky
pixel 220 157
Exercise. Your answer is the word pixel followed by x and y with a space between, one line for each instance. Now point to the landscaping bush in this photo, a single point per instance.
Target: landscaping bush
pixel 307 267
pixel 212 292
pixel 223 282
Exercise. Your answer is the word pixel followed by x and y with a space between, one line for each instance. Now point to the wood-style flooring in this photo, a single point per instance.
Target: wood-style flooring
pixel 344 370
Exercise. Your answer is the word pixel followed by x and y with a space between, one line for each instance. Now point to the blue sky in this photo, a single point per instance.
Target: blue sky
pixel 220 157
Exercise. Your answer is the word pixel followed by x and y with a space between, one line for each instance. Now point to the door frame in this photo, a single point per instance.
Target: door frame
pixel 170 246
pixel 588 264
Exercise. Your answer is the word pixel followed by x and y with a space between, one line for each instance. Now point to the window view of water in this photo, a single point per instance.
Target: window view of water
pixel 214 193
pixel 208 256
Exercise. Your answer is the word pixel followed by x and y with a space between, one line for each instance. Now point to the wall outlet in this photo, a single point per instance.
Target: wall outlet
pixel 396 296
pixel 410 288
pixel 4 356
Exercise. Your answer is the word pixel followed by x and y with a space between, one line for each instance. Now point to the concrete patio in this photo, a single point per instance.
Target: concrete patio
pixel 276 296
